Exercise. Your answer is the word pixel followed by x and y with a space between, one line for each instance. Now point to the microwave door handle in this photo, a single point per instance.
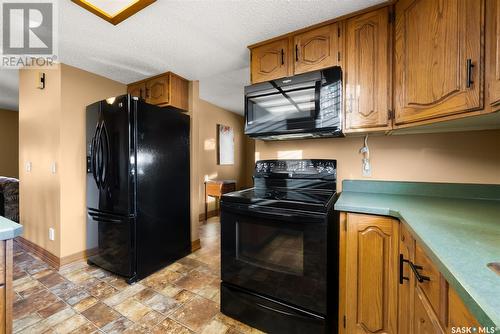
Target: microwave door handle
pixel 317 98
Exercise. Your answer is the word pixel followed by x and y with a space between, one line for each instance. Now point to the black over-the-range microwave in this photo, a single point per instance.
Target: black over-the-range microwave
pixel 303 106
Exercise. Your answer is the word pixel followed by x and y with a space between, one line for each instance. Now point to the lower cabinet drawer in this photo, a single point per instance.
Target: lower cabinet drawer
pixel 425 320
pixel 433 287
pixel 458 314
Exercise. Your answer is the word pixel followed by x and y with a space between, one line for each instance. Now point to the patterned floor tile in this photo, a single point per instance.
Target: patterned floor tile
pixel 182 298
pixel 132 309
pixel 52 309
pixel 196 313
pixel 172 327
pixel 101 314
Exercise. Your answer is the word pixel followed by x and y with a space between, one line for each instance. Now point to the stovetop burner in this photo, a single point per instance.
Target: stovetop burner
pixel 293 184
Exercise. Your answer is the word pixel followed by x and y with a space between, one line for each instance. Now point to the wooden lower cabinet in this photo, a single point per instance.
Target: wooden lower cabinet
pixel 6 292
pixel 371 274
pixel 425 320
pixel 380 293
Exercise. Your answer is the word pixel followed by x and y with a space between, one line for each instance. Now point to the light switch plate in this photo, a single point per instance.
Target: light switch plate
pixel 28 166
pixel 52 234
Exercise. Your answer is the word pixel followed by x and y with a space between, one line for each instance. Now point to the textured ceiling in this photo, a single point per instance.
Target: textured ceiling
pixel 198 39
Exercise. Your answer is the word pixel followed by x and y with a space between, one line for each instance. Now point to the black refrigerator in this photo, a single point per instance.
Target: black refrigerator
pixel 138 189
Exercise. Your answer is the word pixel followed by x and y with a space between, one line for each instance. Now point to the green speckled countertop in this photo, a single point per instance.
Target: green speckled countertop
pixel 458 225
pixel 9 229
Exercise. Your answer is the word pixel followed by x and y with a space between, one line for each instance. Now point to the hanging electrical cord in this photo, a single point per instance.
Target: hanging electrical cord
pixel 365 150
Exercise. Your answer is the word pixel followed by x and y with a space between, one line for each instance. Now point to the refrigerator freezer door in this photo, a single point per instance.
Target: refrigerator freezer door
pixel 110 156
pixel 116 250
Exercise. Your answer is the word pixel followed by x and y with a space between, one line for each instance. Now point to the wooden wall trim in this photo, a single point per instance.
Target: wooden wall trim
pixel 57 262
pixel 83 255
pixel 42 253
pixel 210 214
pixel 51 259
pixel 195 245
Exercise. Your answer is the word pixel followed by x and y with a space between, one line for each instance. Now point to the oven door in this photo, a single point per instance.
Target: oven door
pixel 280 255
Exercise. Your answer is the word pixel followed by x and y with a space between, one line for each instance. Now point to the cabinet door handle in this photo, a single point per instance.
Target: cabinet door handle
pixel 469 66
pixel 402 261
pixel 282 57
pixel 415 268
pixel 296 52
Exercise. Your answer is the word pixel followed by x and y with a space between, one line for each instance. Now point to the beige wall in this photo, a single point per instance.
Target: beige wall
pixel 52 129
pixel 466 157
pixel 79 89
pixel 39 143
pixel 204 119
pixel 209 116
pixel 9 143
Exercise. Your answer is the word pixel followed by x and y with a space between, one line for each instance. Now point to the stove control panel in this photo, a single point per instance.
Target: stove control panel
pixel 310 168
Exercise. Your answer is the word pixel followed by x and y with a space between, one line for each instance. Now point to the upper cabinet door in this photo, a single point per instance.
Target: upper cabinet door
pixel 137 90
pixel 372 257
pixel 157 90
pixel 367 72
pixel 495 56
pixel 270 61
pixel 438 58
pixel 317 49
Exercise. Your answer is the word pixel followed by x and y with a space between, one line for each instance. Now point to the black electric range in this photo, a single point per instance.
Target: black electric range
pixel 279 248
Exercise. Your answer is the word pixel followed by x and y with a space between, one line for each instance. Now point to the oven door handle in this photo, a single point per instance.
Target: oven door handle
pixel 288 314
pixel 252 210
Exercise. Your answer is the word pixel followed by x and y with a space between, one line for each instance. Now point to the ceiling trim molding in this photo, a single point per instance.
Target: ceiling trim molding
pixel 119 17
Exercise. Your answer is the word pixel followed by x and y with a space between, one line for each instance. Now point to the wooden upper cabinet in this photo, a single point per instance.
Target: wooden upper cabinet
pixel 317 49
pixel 157 90
pixel 367 72
pixel 495 57
pixel 372 255
pixel 163 90
pixel 137 90
pixel 270 61
pixel 438 58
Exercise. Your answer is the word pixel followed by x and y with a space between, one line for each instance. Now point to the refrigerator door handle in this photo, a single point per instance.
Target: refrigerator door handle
pixel 104 219
pixel 105 154
pixel 100 160
pixel 93 154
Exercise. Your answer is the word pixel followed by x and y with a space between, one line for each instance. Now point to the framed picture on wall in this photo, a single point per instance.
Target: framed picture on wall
pixel 225 145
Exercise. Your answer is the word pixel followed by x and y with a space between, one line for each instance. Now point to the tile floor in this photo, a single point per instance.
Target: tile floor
pixel 182 298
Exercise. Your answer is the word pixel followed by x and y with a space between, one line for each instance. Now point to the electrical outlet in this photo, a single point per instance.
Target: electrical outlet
pixel 53 168
pixel 28 166
pixel 52 234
